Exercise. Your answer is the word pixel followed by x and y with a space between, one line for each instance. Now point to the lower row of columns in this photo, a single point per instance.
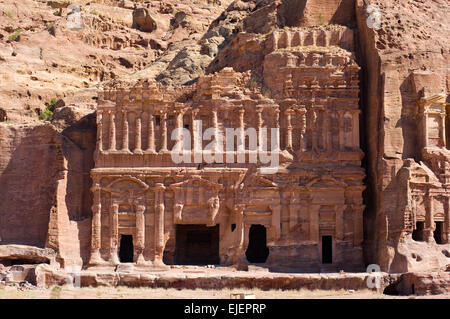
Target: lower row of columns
pixel 430 224
pixel 241 229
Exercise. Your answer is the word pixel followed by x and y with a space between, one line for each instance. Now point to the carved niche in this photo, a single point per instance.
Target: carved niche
pixel 196 201
pixel 261 198
pixel 126 214
pixel 432 114
pixel 127 191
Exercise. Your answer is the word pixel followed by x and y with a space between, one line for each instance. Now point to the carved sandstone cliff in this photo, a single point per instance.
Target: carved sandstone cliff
pixel 404 103
pixel 310 72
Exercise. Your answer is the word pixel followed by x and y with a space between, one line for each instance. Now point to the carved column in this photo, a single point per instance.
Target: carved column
pixel 159 223
pixel 355 127
pixel 140 234
pixel 138 142
pixel 151 134
pixel 241 148
pixel 340 222
pixel 358 235
pixel 289 113
pixel 293 213
pixel 429 219
pixel 277 126
pixel 240 234
pixel 114 229
pixel 425 129
pixel 246 240
pixel 341 129
pixel 163 133
pixel 194 128
pixel 196 140
pixel 96 226
pixel 314 223
pixel 100 130
pixel 125 132
pixel 443 137
pixel 329 136
pixel 180 125
pixel 216 130
pixel 112 131
pixel 313 128
pixel 276 220
pixel 447 223
pixel 325 130
pixel 302 118
pixel 260 125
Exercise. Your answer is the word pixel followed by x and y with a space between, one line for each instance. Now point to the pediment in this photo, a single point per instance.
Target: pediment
pixel 259 181
pixel 421 173
pixel 126 183
pixel 326 182
pixel 438 99
pixel 196 181
pixel 439 215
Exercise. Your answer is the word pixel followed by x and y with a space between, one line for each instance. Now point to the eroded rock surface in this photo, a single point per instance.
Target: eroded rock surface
pixel 307 67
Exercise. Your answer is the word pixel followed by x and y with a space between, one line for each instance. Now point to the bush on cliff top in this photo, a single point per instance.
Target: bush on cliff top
pixel 47 115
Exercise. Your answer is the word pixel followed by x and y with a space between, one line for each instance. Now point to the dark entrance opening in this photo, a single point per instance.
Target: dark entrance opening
pixel 417 234
pixel 126 249
pixel 197 245
pixel 438 233
pixel 24 261
pixel 391 290
pixel 257 251
pixel 327 250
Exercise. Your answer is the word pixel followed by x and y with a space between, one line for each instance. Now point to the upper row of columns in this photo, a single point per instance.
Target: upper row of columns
pixel 289 113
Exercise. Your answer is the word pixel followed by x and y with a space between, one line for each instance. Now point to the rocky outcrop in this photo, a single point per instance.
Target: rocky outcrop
pixel 55 213
pixel 22 254
pixel 28 183
pixel 47 277
pixel 405 64
pixel 143 21
pixel 422 284
pixel 3 115
pixel 283 49
pixel 48 60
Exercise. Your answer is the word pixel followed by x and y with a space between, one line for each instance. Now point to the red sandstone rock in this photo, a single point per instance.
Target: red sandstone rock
pixel 302 70
pixel 143 21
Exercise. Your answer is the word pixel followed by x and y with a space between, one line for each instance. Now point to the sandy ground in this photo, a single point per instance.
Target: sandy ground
pixel 160 293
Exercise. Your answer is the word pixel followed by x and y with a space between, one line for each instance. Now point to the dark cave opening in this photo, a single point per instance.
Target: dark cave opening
pixel 197 245
pixel 438 233
pixel 327 250
pixel 417 234
pixel 126 249
pixel 257 251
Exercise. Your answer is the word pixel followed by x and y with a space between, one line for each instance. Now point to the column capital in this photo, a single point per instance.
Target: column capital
pixel 159 187
pixel 289 111
pixel 239 208
pixel 301 110
pixel 96 186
